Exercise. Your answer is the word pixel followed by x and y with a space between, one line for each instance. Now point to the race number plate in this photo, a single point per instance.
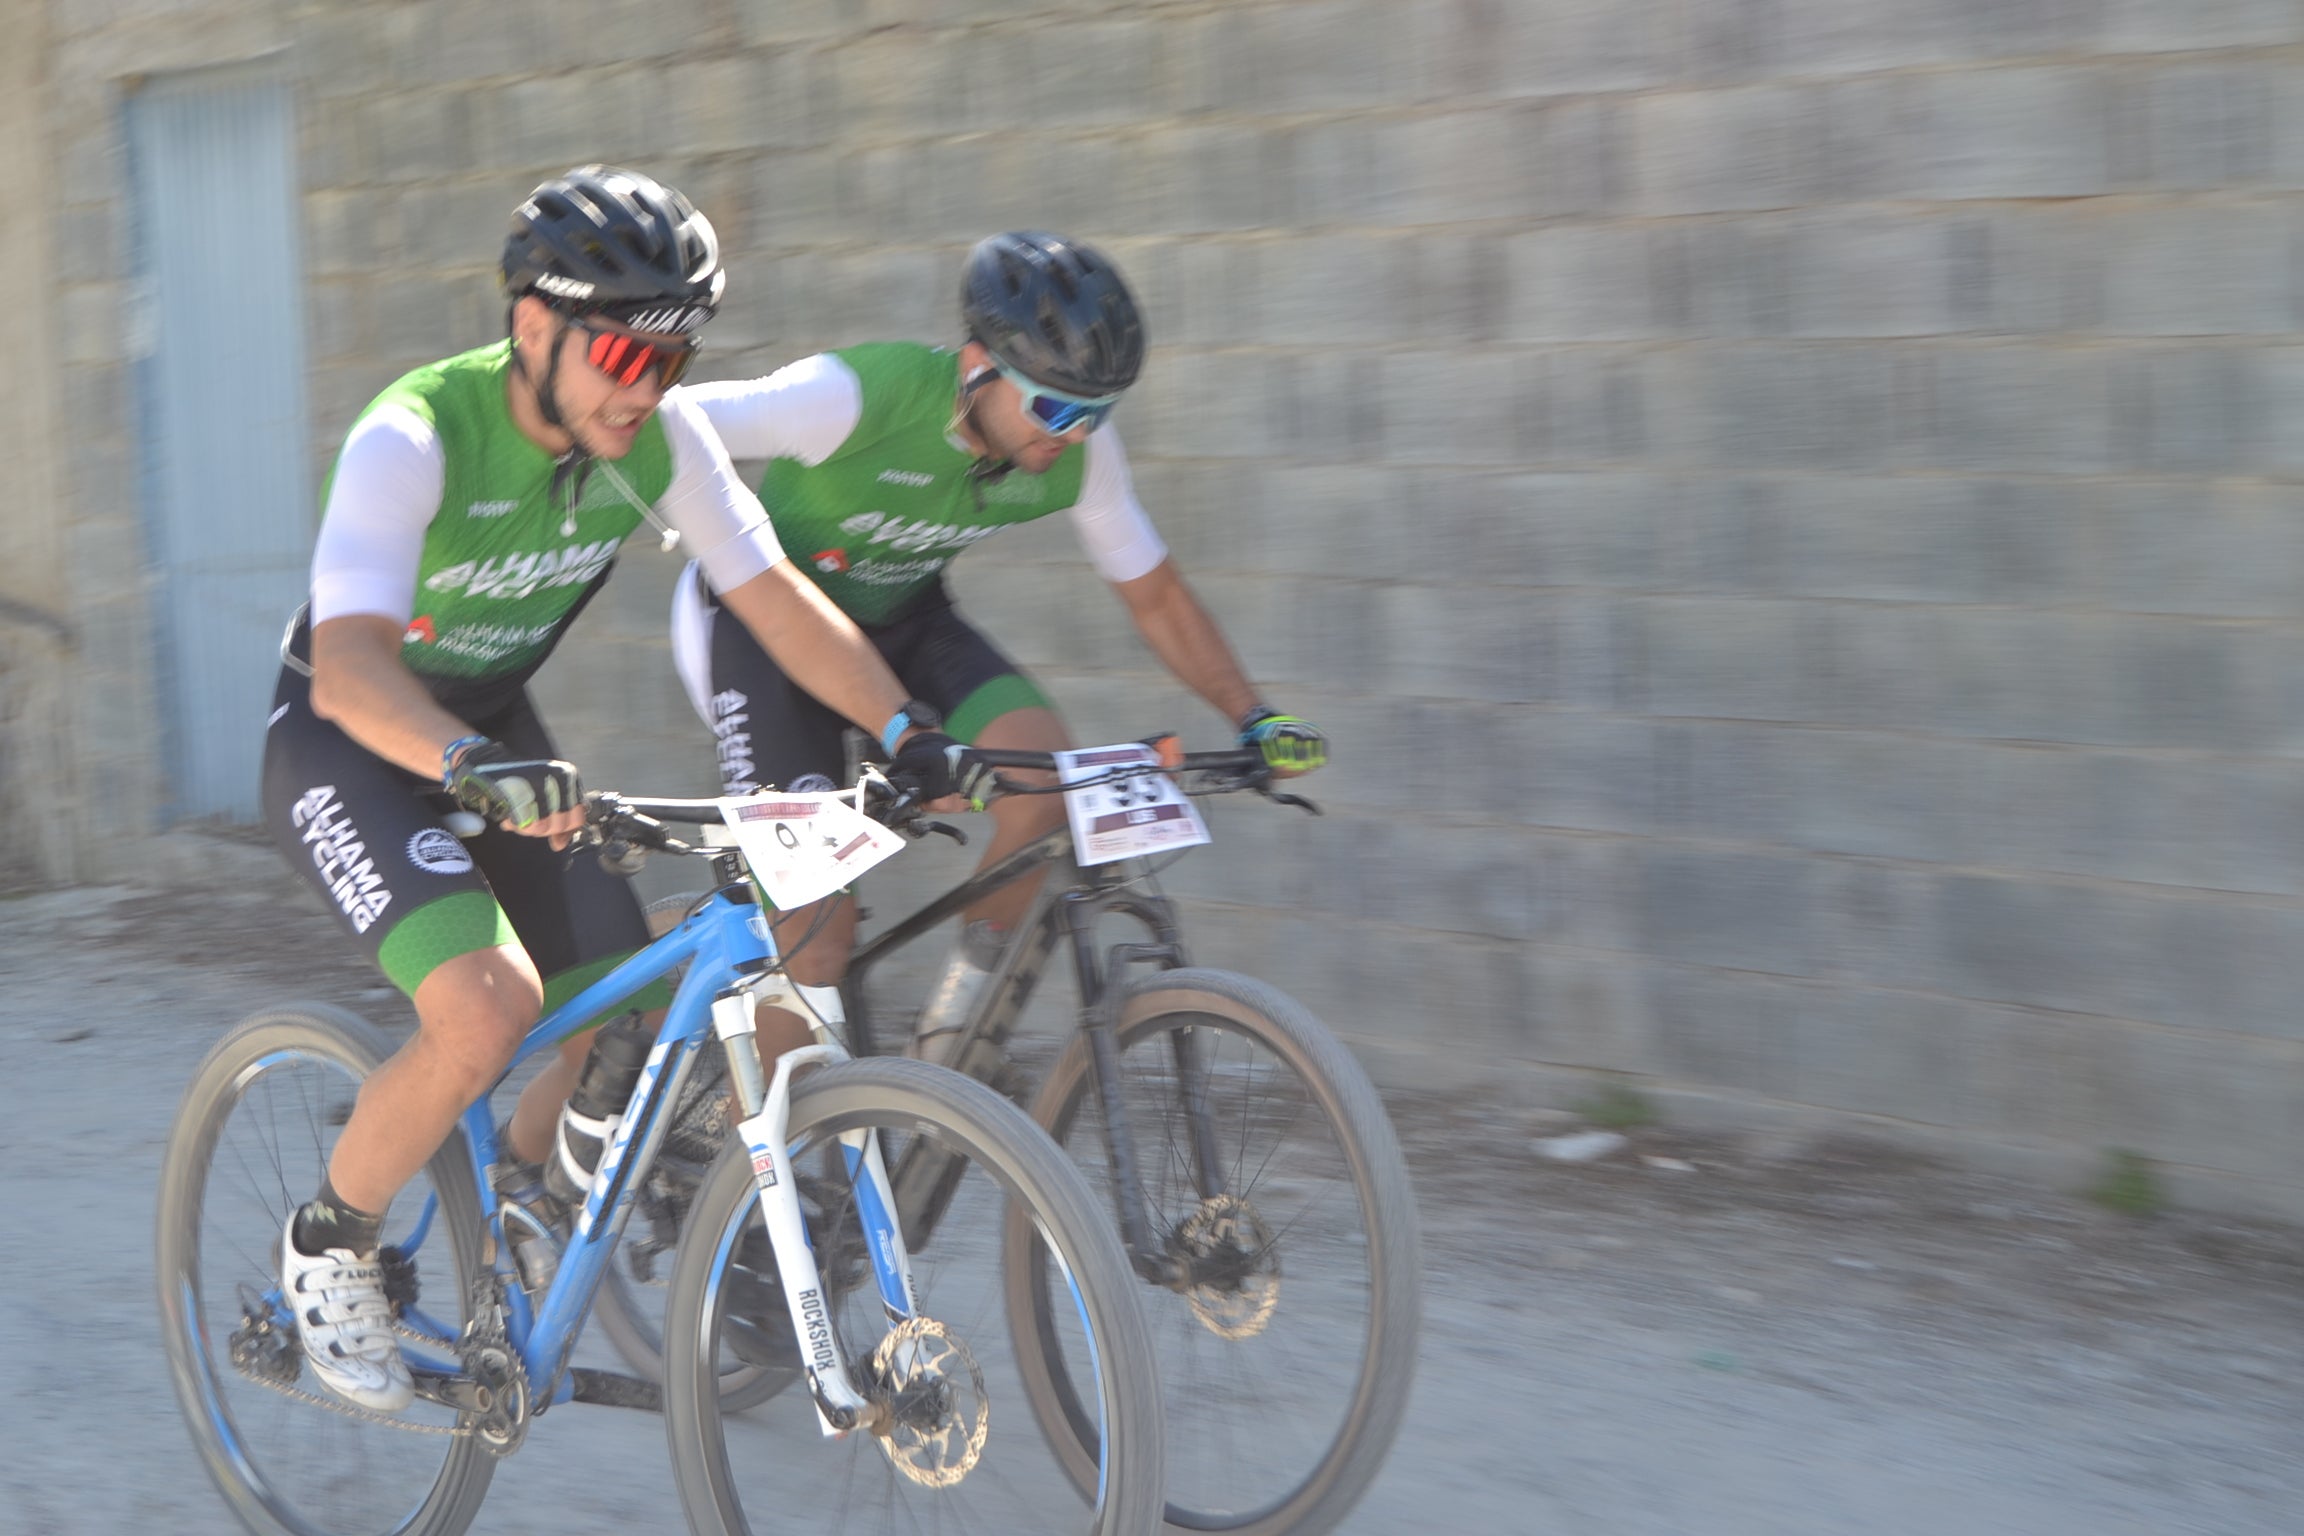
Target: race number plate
pixel 1141 813
pixel 802 848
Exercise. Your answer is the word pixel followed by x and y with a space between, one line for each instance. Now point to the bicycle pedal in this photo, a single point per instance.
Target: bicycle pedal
pixel 986 1062
pixel 1013 1082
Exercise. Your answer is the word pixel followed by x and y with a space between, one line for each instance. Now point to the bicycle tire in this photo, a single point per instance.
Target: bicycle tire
pixel 207 1386
pixel 1213 1497
pixel 1027 1174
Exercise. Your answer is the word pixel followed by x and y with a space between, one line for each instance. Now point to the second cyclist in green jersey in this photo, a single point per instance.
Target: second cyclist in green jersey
pixel 886 461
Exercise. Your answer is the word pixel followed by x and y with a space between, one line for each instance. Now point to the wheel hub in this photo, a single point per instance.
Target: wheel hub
pixel 938 1413
pixel 1231 1267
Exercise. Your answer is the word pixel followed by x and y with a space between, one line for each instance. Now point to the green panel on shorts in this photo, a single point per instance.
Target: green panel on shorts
pixel 990 702
pixel 437 932
pixel 559 989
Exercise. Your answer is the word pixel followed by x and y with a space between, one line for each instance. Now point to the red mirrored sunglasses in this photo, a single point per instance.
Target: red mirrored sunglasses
pixel 626 358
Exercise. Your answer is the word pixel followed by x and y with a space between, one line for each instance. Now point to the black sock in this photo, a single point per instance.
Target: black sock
pixel 327 1222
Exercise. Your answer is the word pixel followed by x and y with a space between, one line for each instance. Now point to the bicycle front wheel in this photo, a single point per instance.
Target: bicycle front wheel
pixel 958 1451
pixel 1277 1191
pixel 250 1144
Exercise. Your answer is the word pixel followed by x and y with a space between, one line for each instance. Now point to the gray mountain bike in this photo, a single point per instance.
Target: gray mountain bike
pixel 1258 1185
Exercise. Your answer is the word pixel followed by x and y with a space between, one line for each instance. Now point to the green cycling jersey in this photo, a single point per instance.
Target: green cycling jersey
pixel 876 521
pixel 513 550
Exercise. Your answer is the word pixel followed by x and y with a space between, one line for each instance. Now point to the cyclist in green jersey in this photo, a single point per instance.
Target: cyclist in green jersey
pixel 887 460
pixel 475 508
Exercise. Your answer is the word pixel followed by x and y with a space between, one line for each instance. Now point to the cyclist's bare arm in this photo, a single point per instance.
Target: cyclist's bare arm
pixel 1184 636
pixel 360 685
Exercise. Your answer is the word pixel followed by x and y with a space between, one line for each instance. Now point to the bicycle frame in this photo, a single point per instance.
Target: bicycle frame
pixel 725 945
pixel 1065 910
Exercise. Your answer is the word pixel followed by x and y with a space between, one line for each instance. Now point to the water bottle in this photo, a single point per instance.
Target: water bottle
pixel 593 1111
pixel 531 1219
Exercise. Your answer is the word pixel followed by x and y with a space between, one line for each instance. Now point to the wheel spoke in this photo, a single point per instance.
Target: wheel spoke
pixel 254 1132
pixel 1275 1403
pixel 955 1448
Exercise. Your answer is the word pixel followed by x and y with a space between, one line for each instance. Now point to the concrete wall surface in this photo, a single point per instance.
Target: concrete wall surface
pixel 1790 510
pixel 38 799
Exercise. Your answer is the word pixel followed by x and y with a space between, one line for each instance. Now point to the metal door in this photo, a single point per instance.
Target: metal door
pixel 228 492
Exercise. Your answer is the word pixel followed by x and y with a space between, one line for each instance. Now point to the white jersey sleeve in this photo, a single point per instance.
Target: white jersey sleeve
pixel 384 495
pixel 721 524
pixel 1119 539
pixel 804 410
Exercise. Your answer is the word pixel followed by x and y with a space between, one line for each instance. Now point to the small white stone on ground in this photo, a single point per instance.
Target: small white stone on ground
pixel 1583 1147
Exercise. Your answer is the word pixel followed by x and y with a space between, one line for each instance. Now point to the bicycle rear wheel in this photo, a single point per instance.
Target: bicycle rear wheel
pixel 960 1454
pixel 250 1144
pixel 1286 1359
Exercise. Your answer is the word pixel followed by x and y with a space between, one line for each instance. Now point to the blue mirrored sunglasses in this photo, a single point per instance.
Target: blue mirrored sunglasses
pixel 1053 411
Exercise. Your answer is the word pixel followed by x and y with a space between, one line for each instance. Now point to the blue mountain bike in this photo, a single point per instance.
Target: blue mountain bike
pixel 792 1272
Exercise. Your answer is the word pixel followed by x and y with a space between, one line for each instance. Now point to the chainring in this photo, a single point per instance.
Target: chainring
pixel 502 1425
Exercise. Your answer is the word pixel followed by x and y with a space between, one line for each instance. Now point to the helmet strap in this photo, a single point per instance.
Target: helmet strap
pixel 548 393
pixel 572 467
pixel 986 468
pixel 545 393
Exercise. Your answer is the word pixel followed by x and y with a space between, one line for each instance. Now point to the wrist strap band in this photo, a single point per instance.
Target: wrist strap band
pixel 897 725
pixel 448 756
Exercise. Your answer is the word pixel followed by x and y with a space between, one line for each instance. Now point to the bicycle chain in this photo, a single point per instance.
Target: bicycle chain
pixel 467 1424
pixel 335 1404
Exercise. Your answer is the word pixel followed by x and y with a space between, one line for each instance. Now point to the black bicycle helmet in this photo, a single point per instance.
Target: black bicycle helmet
pixel 605 239
pixel 1055 311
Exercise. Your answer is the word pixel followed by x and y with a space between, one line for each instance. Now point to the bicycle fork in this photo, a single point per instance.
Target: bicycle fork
pixel 764 1127
pixel 1103 991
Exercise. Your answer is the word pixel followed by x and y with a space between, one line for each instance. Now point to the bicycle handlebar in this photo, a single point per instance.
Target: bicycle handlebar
pixel 623 824
pixel 1233 769
pixel 1231 760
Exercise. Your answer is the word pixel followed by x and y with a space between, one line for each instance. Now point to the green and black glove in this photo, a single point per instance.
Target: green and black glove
pixel 485 777
pixel 1288 745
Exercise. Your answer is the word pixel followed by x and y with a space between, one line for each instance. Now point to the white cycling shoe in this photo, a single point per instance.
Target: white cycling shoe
pixel 345 1324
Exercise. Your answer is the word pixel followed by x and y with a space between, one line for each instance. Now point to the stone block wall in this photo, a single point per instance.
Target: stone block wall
pixel 1790 508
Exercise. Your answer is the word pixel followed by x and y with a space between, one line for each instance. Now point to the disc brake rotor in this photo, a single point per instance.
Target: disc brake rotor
pixel 1227 1236
pixel 939 1412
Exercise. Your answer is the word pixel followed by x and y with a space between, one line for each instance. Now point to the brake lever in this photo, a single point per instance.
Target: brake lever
pixel 619 857
pixel 1282 797
pixel 946 829
pixel 896 813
